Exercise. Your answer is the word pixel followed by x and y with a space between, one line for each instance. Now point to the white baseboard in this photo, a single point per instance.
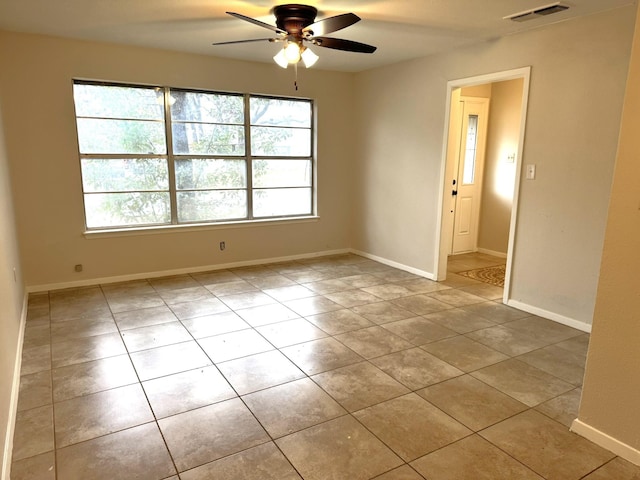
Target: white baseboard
pixel 15 390
pixel 570 322
pixel 393 264
pixel 492 252
pixel 179 271
pixel 605 441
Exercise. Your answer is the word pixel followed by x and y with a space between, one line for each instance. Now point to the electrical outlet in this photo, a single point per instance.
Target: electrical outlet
pixel 78 268
pixel 222 246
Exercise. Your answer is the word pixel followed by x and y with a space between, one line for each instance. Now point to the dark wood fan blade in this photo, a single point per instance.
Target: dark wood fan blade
pixel 339 44
pixel 256 22
pixel 331 24
pixel 246 41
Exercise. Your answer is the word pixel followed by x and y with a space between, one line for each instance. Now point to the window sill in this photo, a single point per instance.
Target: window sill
pixel 163 229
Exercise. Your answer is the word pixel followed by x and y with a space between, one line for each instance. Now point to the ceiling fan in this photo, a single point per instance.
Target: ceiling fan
pixel 295 25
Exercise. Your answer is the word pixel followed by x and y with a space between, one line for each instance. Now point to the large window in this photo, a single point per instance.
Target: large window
pixel 165 156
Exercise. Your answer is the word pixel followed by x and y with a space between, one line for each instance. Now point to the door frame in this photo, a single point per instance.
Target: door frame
pixel 440 254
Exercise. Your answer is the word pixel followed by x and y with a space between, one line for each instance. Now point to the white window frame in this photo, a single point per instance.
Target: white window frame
pixel 171 157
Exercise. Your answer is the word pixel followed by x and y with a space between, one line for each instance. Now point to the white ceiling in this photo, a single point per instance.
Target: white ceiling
pixel 401 29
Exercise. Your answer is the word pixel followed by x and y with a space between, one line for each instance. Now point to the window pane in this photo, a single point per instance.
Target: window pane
pixel 282 142
pixel 281 201
pixel 280 113
pixel 118 102
pixel 121 136
pixel 282 173
pixel 124 209
pixel 207 139
pixel 124 174
pixel 469 169
pixel 201 173
pixel 206 107
pixel 212 205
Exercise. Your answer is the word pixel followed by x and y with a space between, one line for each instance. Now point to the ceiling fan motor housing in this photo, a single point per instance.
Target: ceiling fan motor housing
pixel 293 18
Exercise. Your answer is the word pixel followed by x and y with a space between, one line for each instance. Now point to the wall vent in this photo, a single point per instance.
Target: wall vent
pixel 537 12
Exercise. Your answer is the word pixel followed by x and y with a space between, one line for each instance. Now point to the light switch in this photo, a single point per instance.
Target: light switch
pixel 511 158
pixel 531 172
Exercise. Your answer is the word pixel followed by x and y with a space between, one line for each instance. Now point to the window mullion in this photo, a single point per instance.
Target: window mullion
pixel 170 156
pixel 248 156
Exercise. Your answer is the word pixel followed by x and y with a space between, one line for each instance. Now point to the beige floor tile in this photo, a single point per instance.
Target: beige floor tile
pixel 457 281
pixel 215 277
pixel 198 308
pixel 617 469
pixel 90 416
pixel 362 280
pixel 411 426
pixel 135 302
pixel 523 382
pixel 246 300
pixel 339 321
pixel 389 291
pixel 255 372
pixel 33 432
pixel 62 312
pixel 154 336
pixel 37 335
pixel 229 346
pixel 185 391
pixel 546 446
pixel 291 407
pixel 266 314
pixel 39 467
pixel 173 283
pixel 215 324
pixel 557 361
pixel 383 312
pixel 563 408
pixel 144 317
pixel 489 292
pixel 133 453
pixel 506 340
pixel 92 377
pixel 416 368
pixel 271 281
pixel 472 458
pixel 422 285
pixel 321 355
pixel 203 435
pixel 393 275
pixel 64 331
pixel 310 276
pixel 342 448
pixel 352 298
pixel 464 353
pixel 86 349
pixel 460 320
pixel 359 386
pixel 419 330
pixel 421 304
pixel 35 359
pixel 312 305
pixel 577 345
pixel 404 472
pixel 496 312
pixel 290 332
pixel 294 292
pixel 264 462
pixel 373 342
pixel 231 288
pixel 162 361
pixel 35 390
pixel 456 297
pixel 126 289
pixel 540 328
pixel 186 295
pixel 471 402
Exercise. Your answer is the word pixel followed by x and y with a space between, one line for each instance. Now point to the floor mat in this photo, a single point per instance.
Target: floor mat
pixel 493 275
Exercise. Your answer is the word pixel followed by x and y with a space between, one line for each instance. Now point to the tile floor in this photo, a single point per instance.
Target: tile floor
pixel 329 368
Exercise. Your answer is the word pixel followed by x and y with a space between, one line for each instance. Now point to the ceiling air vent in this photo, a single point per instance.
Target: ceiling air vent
pixel 536 12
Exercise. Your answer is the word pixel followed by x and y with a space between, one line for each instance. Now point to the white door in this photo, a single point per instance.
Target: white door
pixel 467 185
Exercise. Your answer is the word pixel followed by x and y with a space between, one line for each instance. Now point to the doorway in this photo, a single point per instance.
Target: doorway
pixel 484 221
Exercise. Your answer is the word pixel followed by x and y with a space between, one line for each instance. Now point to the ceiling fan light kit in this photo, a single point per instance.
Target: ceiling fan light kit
pixel 295 25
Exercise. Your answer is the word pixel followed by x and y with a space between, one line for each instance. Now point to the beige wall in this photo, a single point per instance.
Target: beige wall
pixel 577 86
pixel 611 392
pixel 11 295
pixel 500 174
pixel 42 148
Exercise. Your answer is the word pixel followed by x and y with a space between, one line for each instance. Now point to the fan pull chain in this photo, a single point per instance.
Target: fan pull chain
pixel 295 82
